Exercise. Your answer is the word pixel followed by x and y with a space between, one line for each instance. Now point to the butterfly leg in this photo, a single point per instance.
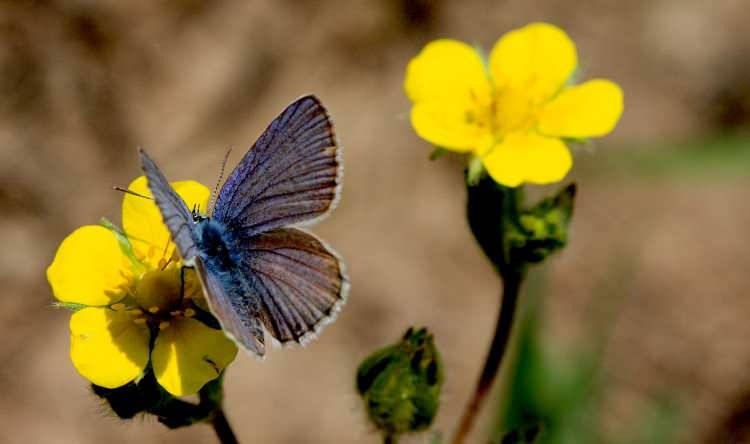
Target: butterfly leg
pixel 182 281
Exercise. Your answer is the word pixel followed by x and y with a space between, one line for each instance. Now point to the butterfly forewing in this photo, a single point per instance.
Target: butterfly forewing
pixel 176 215
pixel 300 282
pixel 291 175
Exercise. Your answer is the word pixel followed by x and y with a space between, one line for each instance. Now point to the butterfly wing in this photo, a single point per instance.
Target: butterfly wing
pixel 176 215
pixel 300 282
pixel 291 175
pixel 237 310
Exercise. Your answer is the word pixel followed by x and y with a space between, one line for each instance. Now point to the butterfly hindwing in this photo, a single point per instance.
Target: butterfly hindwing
pixel 291 175
pixel 300 282
pixel 175 213
pixel 237 310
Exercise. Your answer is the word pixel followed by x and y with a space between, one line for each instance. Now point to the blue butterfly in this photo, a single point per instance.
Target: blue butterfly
pixel 256 269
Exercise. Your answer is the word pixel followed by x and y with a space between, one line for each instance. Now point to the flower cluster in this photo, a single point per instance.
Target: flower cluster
pixel 135 306
pixel 515 111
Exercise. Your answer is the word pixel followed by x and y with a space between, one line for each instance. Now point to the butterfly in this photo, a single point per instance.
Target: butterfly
pixel 257 268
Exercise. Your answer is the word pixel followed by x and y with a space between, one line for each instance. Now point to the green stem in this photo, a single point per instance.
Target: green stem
pixel 390 439
pixel 222 428
pixel 511 287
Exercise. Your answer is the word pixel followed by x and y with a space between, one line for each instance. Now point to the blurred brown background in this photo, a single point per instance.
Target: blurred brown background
pixel 660 228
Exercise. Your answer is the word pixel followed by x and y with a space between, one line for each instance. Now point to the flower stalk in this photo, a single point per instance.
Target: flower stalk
pixel 221 426
pixel 512 237
pixel 511 288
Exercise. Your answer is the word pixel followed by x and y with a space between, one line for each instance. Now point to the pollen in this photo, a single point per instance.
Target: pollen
pixel 153 309
pixel 189 313
pixel 139 321
pixel 163 325
pixel 118 306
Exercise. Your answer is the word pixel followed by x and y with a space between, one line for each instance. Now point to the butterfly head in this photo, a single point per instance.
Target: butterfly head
pixel 196 214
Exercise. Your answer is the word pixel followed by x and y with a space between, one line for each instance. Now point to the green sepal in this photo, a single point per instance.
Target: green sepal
pixel 146 396
pixel 542 229
pixel 400 384
pixel 132 398
pixel 577 140
pixel 493 211
pixel 523 435
pixel 475 171
pixel 68 306
pixel 125 245
pixel 438 152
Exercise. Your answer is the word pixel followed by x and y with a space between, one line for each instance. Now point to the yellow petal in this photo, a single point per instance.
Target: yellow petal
pixel 446 69
pixel 528 158
pixel 537 59
pixel 187 354
pixel 89 268
pixel 587 110
pixel 107 347
pixel 143 224
pixel 446 124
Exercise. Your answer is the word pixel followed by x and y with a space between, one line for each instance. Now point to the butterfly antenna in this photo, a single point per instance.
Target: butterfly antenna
pixel 212 201
pixel 126 191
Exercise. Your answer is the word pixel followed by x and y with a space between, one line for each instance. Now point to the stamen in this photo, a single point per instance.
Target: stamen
pixel 163 325
pixel 139 321
pixel 175 313
pixel 153 310
pixel 136 312
pixel 189 313
pixel 117 307
pixel 166 262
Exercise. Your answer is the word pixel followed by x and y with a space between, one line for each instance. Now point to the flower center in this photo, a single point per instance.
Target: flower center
pixel 158 290
pixel 505 111
pixel 158 299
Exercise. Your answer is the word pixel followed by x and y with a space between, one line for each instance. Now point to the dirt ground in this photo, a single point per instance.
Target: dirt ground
pixel 83 84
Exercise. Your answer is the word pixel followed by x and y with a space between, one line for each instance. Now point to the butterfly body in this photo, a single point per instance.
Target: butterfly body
pixel 215 244
pixel 258 270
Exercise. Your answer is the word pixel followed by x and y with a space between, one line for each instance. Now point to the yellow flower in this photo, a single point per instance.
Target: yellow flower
pixel 132 309
pixel 513 111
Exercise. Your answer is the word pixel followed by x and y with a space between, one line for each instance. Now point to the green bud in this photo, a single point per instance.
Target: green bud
pixel 400 384
pixel 511 235
pixel 542 229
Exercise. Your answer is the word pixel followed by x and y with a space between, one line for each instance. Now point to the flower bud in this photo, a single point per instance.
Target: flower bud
pixel 542 229
pixel 400 384
pixel 511 235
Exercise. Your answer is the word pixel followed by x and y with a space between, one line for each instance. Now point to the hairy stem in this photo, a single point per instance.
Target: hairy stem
pixel 511 286
pixel 222 428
